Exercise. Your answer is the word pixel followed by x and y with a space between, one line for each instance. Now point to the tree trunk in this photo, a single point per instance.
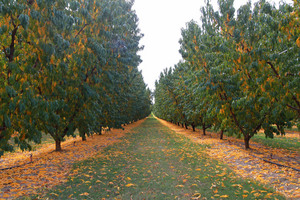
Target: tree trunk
pixel 246 140
pixel 178 123
pixel 221 134
pixel 182 124
pixel 204 128
pixel 186 126
pixel 100 130
pixel 83 137
pixel 193 126
pixel 57 145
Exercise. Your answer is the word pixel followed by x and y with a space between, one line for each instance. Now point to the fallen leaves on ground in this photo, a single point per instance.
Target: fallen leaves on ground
pixel 154 163
pixel 50 168
pixel 232 152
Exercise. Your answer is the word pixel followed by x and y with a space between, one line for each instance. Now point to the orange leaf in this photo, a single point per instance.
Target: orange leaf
pixel 129 185
pixel 179 186
pixel 224 196
pixel 298 42
pixel 84 194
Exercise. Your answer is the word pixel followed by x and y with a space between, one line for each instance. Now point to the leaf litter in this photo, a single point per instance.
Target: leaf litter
pixel 48 167
pixel 249 163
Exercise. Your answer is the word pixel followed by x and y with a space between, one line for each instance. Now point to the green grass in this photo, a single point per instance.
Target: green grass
pixel 155 163
pixel 278 142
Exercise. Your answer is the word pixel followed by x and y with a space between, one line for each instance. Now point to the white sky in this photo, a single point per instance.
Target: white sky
pixel 161 22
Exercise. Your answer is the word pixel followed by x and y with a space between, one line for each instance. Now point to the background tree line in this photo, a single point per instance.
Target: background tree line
pixel 68 65
pixel 240 71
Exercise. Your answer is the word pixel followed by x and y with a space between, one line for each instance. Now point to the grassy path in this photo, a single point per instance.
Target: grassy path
pixel 154 163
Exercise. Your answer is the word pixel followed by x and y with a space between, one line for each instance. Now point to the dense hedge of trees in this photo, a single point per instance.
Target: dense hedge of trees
pixel 240 71
pixel 68 65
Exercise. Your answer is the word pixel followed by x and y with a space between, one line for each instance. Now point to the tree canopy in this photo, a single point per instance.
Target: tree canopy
pixel 239 73
pixel 68 65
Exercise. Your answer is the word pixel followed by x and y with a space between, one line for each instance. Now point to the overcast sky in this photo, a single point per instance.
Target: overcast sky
pixel 161 22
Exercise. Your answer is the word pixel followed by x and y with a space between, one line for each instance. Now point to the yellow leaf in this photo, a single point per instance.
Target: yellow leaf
pixel 84 194
pixel 256 194
pixel 70 196
pixel 128 178
pixel 198 169
pixel 245 195
pixel 237 185
pixel 179 186
pixel 223 174
pixel 196 196
pixel 224 196
pixel 54 194
pixel 269 195
pixel 130 185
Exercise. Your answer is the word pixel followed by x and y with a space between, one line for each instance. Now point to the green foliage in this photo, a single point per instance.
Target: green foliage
pixel 64 66
pixel 239 74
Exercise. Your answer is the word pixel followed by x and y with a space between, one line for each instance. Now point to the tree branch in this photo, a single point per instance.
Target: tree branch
pixel 273 68
pixel 6 54
pixel 13 38
pixel 233 115
pixel 81 30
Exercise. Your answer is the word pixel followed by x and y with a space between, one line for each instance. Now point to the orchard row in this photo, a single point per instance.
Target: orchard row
pixel 68 65
pixel 240 72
